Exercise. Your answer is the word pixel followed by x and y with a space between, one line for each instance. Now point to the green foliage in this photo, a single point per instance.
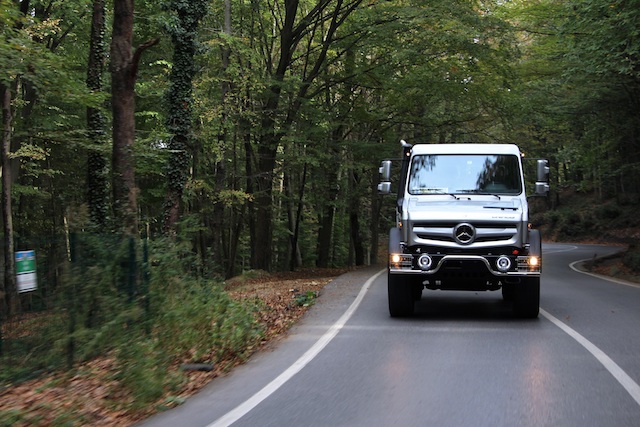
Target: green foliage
pixel 306 299
pixel 608 211
pixel 200 322
pixel 178 316
pixel 142 368
pixel 632 259
pixel 14 416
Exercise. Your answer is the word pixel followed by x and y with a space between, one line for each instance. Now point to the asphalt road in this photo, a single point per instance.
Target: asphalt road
pixel 462 360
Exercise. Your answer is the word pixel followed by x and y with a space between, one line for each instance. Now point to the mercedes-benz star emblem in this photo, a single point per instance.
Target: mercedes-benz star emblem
pixel 464 233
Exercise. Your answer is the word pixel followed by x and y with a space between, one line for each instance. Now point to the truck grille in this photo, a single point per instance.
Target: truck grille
pixel 424 233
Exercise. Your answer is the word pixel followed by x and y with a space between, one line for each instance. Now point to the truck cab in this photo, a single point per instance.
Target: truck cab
pixel 462 223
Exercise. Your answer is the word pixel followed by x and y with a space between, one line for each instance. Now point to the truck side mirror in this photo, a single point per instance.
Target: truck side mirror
pixel 542 188
pixel 385 171
pixel 542 181
pixel 385 177
pixel 384 188
pixel 543 171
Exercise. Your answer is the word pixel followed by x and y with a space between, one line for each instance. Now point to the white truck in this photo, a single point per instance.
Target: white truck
pixel 462 223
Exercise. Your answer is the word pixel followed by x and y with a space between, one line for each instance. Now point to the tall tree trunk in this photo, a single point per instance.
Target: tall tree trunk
pixel 272 130
pixel 222 246
pixel 180 101
pixel 123 104
pixel 9 301
pixel 124 69
pixel 354 221
pixel 294 215
pixel 325 232
pixel 97 170
pixel 270 137
pixel 376 204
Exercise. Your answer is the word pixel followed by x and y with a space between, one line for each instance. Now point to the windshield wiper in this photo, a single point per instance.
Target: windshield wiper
pixel 492 194
pixel 481 193
pixel 502 208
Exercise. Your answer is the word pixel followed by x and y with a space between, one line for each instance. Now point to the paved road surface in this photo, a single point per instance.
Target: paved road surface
pixel 462 360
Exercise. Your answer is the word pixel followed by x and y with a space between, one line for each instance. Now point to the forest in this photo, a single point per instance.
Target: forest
pixel 237 135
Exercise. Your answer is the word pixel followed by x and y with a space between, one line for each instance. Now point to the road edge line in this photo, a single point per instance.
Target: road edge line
pixel 245 407
pixel 614 369
pixel 599 276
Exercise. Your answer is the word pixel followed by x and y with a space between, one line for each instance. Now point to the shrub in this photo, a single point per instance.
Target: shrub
pixel 632 259
pixel 608 212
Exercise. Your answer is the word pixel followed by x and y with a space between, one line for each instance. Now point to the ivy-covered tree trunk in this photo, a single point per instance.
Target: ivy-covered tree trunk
pixel 179 101
pixel 97 167
pixel 124 69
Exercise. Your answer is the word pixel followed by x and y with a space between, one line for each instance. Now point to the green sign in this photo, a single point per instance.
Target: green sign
pixel 26 271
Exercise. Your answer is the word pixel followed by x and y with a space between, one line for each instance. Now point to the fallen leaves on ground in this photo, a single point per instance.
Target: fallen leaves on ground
pixel 89 395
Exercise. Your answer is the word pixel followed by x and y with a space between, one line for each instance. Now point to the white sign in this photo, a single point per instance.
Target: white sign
pixel 26 271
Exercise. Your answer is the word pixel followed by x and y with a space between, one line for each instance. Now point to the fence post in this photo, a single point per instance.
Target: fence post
pixel 145 282
pixel 131 276
pixel 71 343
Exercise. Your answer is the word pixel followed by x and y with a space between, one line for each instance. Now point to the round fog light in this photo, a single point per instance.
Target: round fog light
pixel 424 262
pixel 503 263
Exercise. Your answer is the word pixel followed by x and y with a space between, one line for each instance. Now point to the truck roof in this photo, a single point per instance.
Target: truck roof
pixel 466 149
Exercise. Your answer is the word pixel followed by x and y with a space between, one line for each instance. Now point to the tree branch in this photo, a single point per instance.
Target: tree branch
pixel 135 60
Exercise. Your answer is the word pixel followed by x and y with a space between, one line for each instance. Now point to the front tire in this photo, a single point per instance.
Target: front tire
pixel 401 296
pixel 526 298
pixel 526 301
pixel 508 291
pixel 417 290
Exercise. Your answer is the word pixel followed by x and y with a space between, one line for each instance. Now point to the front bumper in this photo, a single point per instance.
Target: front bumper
pixel 522 265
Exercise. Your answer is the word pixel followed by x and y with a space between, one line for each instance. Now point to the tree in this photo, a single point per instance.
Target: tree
pixel 9 291
pixel 321 22
pixel 97 166
pixel 578 89
pixel 179 101
pixel 29 66
pixel 124 69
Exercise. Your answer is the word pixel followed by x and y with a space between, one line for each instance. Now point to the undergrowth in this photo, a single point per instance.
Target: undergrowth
pixel 585 218
pixel 171 316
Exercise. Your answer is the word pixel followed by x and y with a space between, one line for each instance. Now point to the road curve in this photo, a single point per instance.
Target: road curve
pixel 462 360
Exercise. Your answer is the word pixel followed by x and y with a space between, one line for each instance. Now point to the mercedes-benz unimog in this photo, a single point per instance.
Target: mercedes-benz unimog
pixel 462 223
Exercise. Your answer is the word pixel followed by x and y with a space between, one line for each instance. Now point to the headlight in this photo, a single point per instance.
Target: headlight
pixel 503 264
pixel 534 261
pixel 425 262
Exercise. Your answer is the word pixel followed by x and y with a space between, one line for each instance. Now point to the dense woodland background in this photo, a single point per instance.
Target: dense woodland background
pixel 254 128
pixel 150 153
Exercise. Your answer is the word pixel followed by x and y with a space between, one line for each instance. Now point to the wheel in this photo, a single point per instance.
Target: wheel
pixel 401 296
pixel 526 298
pixel 508 291
pixel 417 290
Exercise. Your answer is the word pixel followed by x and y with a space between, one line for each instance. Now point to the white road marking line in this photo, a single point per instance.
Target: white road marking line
pixel 621 376
pixel 244 408
pixel 557 251
pixel 607 278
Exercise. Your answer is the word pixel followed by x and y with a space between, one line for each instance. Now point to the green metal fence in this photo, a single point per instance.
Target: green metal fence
pixel 84 283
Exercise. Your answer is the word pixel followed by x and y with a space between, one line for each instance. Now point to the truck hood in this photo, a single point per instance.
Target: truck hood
pixel 465 209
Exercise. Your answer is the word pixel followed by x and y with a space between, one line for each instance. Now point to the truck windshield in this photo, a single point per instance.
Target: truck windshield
pixel 465 174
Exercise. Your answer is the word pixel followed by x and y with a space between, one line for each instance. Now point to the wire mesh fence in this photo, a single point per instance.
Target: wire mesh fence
pixel 80 284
